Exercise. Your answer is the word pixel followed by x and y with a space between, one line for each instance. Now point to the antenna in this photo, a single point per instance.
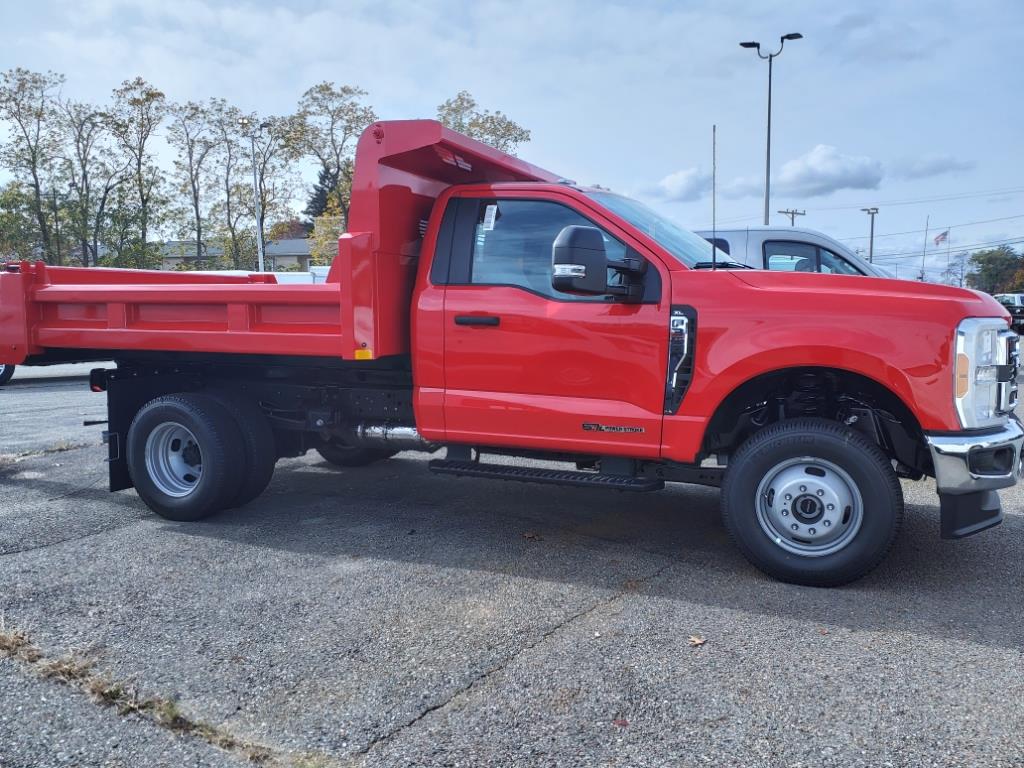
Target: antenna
pixel 714 185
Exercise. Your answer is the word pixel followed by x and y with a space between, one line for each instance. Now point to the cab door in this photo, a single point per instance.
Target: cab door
pixel 527 366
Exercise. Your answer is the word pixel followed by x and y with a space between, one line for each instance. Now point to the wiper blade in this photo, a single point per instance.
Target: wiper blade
pixel 722 264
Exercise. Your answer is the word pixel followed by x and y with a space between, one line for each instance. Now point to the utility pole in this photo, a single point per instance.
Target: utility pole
pixel 768 150
pixel 793 213
pixel 871 240
pixel 924 251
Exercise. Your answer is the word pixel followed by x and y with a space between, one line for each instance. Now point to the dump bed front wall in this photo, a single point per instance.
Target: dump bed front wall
pixel 402 167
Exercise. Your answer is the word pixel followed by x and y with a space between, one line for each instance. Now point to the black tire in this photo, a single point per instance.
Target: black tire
pixel 353 455
pixel 6 371
pixel 259 447
pixel 759 458
pixel 219 445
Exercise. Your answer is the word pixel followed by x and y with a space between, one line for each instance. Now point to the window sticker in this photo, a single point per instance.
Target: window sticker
pixel 490 214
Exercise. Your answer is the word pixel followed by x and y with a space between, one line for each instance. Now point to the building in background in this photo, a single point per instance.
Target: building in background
pixel 286 254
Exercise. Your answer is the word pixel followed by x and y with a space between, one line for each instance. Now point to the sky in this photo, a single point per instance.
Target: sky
pixel 914 107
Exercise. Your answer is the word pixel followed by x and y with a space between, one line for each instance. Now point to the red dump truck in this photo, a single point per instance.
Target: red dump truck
pixel 491 308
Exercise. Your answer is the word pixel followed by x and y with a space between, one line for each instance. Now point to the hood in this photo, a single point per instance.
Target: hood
pixel 942 299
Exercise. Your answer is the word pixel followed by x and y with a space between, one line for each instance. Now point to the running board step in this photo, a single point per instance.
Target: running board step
pixel 548 476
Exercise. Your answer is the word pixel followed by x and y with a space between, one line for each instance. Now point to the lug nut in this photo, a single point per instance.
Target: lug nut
pixel 827 523
pixel 795 527
pixel 812 531
pixel 831 506
pixel 789 497
pixel 785 513
pixel 821 492
pixel 803 489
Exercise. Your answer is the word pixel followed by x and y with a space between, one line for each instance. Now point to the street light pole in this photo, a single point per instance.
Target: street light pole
pixel 768 143
pixel 871 241
pixel 246 123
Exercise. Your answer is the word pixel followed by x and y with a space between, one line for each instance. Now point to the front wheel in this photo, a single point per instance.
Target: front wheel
pixel 6 371
pixel 812 502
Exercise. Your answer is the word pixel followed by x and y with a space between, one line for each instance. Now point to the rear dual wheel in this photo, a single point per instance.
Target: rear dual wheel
pixel 191 455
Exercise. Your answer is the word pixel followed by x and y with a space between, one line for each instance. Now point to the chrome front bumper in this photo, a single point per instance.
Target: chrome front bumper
pixel 971 463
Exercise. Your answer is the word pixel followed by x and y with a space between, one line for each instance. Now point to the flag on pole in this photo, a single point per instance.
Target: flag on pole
pixel 942 237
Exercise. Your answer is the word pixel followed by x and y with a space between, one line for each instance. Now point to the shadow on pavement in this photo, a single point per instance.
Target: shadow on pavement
pixel 970 589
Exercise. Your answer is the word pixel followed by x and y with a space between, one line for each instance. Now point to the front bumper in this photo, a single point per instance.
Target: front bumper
pixel 969 469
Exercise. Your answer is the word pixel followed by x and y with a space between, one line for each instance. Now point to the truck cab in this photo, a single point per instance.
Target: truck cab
pixel 790 249
pixel 484 307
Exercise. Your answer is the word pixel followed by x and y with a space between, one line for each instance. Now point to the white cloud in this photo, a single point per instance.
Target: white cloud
pixel 684 186
pixel 821 171
pixel 825 170
pixel 926 166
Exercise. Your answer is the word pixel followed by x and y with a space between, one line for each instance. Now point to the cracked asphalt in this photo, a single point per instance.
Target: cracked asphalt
pixel 388 617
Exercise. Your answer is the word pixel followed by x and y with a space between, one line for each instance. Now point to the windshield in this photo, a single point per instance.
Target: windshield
pixel 688 248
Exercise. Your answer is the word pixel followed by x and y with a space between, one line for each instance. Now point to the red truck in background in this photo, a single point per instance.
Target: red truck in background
pixel 486 306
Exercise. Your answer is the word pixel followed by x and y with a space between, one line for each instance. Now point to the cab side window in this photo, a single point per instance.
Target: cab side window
pixel 788 256
pixel 781 256
pixel 834 264
pixel 512 243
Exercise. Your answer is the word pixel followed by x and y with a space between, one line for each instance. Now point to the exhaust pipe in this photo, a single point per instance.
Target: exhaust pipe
pixel 395 436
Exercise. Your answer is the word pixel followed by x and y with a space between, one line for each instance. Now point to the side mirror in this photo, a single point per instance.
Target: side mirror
pixel 579 263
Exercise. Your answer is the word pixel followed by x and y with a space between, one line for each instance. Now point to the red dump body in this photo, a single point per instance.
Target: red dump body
pixel 361 312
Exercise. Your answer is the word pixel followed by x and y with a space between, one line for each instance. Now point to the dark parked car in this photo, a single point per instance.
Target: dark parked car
pixel 1014 303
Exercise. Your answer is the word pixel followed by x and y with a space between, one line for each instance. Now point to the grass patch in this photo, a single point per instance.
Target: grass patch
pixel 80 673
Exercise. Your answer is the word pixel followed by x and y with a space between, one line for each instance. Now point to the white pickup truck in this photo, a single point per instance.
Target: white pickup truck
pixel 790 249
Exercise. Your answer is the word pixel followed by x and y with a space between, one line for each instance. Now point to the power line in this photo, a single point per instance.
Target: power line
pixel 965 195
pixel 914 201
pixel 951 226
pixel 964 247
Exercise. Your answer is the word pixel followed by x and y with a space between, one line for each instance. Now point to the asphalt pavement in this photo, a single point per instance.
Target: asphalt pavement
pixel 389 617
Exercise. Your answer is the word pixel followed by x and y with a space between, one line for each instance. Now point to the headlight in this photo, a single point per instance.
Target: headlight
pixel 984 387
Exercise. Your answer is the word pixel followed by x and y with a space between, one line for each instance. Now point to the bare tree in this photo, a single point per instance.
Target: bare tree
pixel 272 143
pixel 91 171
pixel 137 112
pixel 191 132
pixel 228 167
pixel 27 104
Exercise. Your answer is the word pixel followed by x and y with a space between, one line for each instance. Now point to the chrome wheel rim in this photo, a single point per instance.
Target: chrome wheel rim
pixel 809 506
pixel 173 459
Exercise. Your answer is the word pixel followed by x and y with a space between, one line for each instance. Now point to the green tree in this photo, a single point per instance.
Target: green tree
pixel 461 114
pixel 27 102
pixel 326 185
pixel 136 114
pixel 18 232
pixel 326 126
pixel 327 228
pixel 994 270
